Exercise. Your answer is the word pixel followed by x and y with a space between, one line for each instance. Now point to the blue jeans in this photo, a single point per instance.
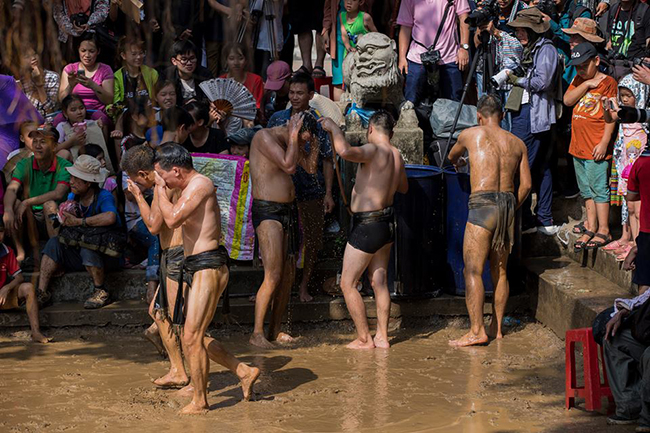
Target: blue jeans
pixel 141 235
pixel 539 152
pixel 451 82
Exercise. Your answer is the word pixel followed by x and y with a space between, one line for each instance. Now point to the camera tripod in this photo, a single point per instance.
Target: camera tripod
pixel 484 52
pixel 258 9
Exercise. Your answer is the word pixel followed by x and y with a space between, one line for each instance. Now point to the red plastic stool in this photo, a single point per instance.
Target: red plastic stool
pixel 593 389
pixel 324 81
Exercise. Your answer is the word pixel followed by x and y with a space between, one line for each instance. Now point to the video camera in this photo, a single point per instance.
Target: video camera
pixel 547 7
pixel 486 11
pixel 621 60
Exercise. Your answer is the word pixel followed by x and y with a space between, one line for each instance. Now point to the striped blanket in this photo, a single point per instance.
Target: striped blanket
pixel 231 176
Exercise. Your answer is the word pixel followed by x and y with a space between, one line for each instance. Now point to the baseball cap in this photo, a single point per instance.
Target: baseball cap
pixel 46 130
pixel 276 74
pixel 581 53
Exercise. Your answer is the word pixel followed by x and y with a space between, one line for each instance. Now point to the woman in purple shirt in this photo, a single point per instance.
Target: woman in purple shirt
pixel 91 80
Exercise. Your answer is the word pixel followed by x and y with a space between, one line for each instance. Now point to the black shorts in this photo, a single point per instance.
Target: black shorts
pixel 371 231
pixel 642 270
pixel 306 15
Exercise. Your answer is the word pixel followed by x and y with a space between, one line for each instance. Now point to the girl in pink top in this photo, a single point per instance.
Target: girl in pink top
pixel 91 80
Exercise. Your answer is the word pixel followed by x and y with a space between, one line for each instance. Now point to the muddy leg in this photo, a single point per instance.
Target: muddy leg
pixel 176 375
pixel 498 265
pixel 476 248
pixel 270 236
pixel 26 291
pixel 201 303
pixel 48 268
pixel 280 302
pixel 354 263
pixel 379 280
pixel 247 375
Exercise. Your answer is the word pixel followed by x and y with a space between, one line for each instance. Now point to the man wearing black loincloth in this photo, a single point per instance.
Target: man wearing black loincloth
pixel 274 155
pixel 380 175
pixel 496 156
pixel 205 269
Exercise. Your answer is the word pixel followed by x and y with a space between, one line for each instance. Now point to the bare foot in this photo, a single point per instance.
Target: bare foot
pixel 358 344
pixel 171 381
pixel 259 341
pixel 185 392
pixel 195 409
pixel 40 338
pixel 305 296
pixel 381 342
pixel 248 381
pixel 153 335
pixel 284 338
pixel 492 330
pixel 470 339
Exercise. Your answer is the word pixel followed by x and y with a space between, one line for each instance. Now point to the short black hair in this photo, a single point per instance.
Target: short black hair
pixel 72 97
pixel 184 47
pixel 489 105
pixel 93 150
pixel 383 120
pixel 302 78
pixel 171 155
pixel 138 158
pixel 309 123
pixel 86 37
pixel 176 117
pixel 199 111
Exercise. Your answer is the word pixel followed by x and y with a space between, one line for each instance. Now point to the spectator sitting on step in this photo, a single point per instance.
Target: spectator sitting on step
pixel 97 210
pixel 44 183
pixel 14 292
pixel 240 142
pixel 186 73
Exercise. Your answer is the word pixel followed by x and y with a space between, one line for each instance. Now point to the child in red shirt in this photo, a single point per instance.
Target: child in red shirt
pixel 14 292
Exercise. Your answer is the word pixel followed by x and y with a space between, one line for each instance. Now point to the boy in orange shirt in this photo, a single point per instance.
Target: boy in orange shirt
pixel 590 142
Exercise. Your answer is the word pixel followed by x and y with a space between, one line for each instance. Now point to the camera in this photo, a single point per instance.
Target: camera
pixel 633 115
pixel 430 58
pixel 620 60
pixel 498 80
pixel 79 19
pixel 547 7
pixel 486 11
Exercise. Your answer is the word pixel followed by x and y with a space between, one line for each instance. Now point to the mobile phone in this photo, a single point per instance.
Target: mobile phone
pixel 81 72
pixel 607 104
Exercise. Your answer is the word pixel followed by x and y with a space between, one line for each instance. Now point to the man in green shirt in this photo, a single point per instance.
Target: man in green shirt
pixel 42 182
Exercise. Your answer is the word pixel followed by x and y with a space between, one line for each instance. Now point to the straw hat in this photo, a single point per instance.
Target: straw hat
pixel 585 27
pixel 531 18
pixel 89 169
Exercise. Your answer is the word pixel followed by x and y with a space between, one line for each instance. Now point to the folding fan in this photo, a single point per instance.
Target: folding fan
pixel 231 97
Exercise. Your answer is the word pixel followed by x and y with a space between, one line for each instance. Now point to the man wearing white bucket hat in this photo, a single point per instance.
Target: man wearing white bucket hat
pixel 96 209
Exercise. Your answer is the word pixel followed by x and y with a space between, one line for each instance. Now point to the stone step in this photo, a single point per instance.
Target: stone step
pixel 323 308
pixel 130 284
pixel 565 295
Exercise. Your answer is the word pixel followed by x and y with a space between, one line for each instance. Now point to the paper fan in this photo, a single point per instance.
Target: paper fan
pixel 231 97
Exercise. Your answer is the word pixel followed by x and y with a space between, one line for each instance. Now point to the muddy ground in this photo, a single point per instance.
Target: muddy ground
pixel 98 380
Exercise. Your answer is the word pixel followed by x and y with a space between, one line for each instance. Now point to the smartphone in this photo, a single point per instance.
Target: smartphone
pixel 81 72
pixel 607 104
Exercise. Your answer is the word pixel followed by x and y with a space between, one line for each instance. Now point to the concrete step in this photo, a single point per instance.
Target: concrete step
pixel 565 295
pixel 130 284
pixel 134 313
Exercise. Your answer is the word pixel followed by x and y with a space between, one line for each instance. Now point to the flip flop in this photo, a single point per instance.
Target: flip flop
pixel 579 228
pixel 581 245
pixel 318 72
pixel 302 70
pixel 594 245
pixel 614 246
pixel 623 254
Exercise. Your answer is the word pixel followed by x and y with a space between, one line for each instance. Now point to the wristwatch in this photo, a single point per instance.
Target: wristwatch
pixel 465 47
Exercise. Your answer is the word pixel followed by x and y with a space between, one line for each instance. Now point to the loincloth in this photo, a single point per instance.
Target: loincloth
pixel 213 259
pixel 371 231
pixel 171 263
pixel 495 212
pixel 284 213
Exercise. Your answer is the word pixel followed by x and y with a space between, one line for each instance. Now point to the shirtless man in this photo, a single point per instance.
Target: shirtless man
pixel 496 157
pixel 380 175
pixel 204 270
pixel 274 155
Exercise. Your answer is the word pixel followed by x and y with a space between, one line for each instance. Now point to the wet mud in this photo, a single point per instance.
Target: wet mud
pixel 100 381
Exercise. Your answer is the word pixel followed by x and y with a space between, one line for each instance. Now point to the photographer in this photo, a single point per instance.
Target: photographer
pixel 532 102
pixel 68 16
pixel 420 21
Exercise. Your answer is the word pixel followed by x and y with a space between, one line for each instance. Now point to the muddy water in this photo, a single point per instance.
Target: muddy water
pixel 96 382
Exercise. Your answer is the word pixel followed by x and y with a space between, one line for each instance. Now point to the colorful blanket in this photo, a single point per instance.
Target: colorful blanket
pixel 231 176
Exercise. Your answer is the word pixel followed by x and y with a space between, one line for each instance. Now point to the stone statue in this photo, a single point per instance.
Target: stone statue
pixel 371 77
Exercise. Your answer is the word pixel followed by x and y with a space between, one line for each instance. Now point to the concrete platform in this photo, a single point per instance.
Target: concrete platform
pixel 134 313
pixel 565 295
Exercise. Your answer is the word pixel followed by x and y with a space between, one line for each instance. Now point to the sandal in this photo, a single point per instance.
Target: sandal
pixel 594 245
pixel 303 70
pixel 579 228
pixel 318 72
pixel 581 245
pixel 623 254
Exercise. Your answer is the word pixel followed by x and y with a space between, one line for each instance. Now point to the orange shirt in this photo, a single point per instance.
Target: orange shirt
pixel 588 122
pixel 255 85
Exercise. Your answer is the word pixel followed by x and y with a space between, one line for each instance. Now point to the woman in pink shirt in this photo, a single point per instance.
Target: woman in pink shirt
pixel 91 80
